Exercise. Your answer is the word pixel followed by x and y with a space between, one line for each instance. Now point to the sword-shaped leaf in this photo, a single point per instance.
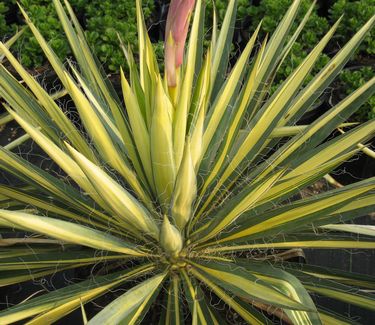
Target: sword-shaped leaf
pixel 127 308
pixel 245 310
pixel 221 47
pixel 102 138
pixel 60 157
pixel 69 232
pixel 180 120
pixel 197 301
pixel 237 205
pixel 242 283
pixel 29 261
pixel 355 229
pixel 46 204
pixel 54 112
pixel 298 214
pixel 185 190
pixel 174 312
pixel 266 119
pixel 70 297
pixel 139 128
pixel 336 290
pixel 46 183
pixel 11 41
pixel 120 201
pixel 162 154
pixel 304 240
pixel 289 285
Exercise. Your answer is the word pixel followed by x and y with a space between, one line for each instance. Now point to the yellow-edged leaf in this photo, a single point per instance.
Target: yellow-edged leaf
pixel 185 189
pixel 102 139
pixel 244 204
pixel 226 94
pixel 125 206
pixel 139 128
pixel 162 154
pixel 127 308
pixel 60 157
pixel 69 232
pixel 182 109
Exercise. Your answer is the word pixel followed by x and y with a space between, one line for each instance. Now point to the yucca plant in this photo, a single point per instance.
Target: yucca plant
pixel 182 192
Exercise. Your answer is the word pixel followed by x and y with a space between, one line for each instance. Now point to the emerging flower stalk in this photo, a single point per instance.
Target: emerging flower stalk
pixel 175 37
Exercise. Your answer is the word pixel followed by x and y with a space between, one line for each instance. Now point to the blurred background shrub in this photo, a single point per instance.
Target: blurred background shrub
pixel 103 19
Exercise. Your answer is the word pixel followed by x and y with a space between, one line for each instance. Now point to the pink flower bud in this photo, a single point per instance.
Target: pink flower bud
pixel 175 36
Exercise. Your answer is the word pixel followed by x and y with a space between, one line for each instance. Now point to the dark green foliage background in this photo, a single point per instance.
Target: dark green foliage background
pixel 103 19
